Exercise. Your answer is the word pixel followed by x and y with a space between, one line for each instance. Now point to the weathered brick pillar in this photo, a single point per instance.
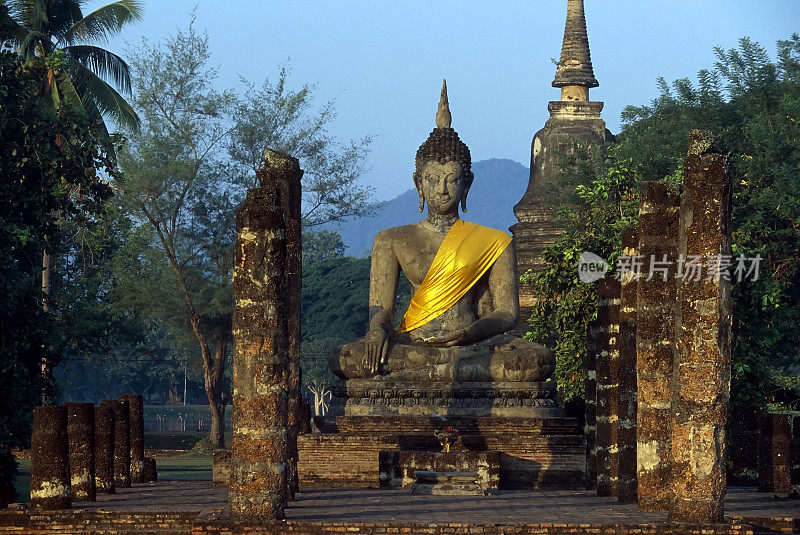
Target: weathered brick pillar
pixel 743 438
pixel 258 483
pixel 104 449
pixel 626 375
pixel 773 453
pixel 590 408
pixel 286 179
pixel 149 471
pixel 122 453
pixel 136 415
pixel 80 434
pixel 794 459
pixel 655 341
pixel 50 485
pixel 702 377
pixel 606 366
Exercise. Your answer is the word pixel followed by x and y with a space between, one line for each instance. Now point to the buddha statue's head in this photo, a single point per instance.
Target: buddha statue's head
pixel 443 173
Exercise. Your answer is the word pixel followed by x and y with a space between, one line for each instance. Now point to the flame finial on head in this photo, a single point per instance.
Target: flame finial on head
pixel 443 117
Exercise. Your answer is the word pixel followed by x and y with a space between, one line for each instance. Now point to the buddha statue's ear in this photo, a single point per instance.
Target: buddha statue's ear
pixel 467 185
pixel 419 191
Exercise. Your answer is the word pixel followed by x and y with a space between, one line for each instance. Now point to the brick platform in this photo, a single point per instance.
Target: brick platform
pixel 533 453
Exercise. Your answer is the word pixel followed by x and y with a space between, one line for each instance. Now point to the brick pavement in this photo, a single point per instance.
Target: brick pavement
pixel 375 505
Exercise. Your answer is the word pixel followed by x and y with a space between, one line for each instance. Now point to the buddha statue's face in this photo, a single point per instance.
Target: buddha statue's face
pixel 442 186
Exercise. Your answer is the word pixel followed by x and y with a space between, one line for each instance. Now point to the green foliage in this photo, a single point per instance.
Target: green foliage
pixel 752 104
pixel 593 215
pixel 50 164
pixel 321 245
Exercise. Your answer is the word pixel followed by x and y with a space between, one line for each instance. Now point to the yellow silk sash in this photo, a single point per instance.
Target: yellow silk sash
pixel 466 253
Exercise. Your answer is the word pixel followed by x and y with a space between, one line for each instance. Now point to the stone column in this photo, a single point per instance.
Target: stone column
pixel 773 453
pixel 590 414
pixel 80 434
pixel 655 341
pixel 104 449
pixel 286 179
pixel 606 366
pixel 50 485
pixel 702 374
pixel 122 453
pixel 743 437
pixel 257 490
pixel 136 414
pixel 626 376
pixel 794 460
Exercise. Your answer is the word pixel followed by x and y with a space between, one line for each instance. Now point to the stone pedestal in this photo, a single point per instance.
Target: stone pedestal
pixel 794 460
pixel 149 471
pixel 221 467
pixel 625 372
pixel 702 375
pixel 261 368
pixel 104 449
pixel 606 411
pixel 656 299
pixel 80 433
pixel 136 417
pixel 397 467
pixel 50 483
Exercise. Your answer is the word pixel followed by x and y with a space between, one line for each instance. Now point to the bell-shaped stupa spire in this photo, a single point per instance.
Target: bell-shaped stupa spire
pixel 575 66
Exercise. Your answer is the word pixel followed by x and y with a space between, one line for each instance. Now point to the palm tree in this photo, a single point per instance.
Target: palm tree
pixel 57 31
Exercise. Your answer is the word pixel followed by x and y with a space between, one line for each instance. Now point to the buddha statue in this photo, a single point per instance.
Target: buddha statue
pixel 451 350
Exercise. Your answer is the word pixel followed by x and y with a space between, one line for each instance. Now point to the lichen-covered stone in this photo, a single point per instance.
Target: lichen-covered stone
pixel 774 466
pixel 50 481
pixel 104 449
pixel 703 356
pixel 655 341
pixel 80 433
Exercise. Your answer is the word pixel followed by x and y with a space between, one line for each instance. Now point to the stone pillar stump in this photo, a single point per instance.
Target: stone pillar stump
pixel 122 453
pixel 136 414
pixel 104 449
pixel 261 365
pixel 606 398
pixel 703 357
pixel 50 482
pixel 655 341
pixel 626 376
pixel 80 434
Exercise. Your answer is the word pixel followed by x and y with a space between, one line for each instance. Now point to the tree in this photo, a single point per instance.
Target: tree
pixel 179 185
pixel 321 245
pixel 51 165
pixel 76 71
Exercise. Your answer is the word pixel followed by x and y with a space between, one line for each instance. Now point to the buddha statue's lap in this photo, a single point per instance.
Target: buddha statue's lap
pixel 465 300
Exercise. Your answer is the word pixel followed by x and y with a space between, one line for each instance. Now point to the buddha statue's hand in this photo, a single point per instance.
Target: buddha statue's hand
pixel 456 338
pixel 376 345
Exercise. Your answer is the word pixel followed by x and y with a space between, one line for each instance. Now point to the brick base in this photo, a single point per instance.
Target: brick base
pixel 533 453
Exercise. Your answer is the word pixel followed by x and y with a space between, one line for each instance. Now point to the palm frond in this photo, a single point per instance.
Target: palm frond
pixel 69 95
pixel 105 21
pixel 27 46
pixel 94 90
pixel 64 14
pixel 105 64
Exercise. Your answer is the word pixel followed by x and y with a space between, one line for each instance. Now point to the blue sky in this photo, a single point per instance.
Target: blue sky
pixel 384 61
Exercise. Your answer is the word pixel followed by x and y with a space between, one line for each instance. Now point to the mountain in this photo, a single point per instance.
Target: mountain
pixel 499 184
